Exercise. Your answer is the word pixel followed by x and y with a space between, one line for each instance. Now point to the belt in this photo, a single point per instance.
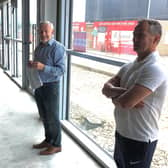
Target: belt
pixel 48 83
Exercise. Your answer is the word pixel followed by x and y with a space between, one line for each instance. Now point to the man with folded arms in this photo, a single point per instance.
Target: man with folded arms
pixel 138 92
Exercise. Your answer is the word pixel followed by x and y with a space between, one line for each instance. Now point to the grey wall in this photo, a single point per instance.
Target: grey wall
pixel 159 9
pixel 107 10
pixel 50 13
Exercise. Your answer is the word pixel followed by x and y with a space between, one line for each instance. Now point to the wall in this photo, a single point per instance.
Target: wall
pixel 50 13
pixel 163 45
pixel 109 10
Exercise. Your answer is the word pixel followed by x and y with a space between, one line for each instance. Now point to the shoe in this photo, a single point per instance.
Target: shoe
pixel 41 145
pixel 50 150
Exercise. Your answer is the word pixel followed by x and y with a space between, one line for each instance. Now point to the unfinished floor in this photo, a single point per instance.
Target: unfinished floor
pixel 20 128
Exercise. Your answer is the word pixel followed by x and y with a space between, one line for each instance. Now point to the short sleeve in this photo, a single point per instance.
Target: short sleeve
pixel 152 77
pixel 123 69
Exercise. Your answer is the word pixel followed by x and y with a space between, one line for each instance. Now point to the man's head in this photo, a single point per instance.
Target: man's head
pixel 146 36
pixel 46 30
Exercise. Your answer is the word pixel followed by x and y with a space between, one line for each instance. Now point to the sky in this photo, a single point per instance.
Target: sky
pixel 79 10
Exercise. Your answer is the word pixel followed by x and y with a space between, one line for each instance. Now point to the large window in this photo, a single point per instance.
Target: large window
pixel 33 27
pixel 13 57
pixel 1 53
pixel 101 43
pixel 19 39
pixel 12 33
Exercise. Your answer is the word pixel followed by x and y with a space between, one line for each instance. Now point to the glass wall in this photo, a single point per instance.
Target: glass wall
pixel 13 17
pixel 33 27
pixel 19 39
pixel 12 33
pixel 1 53
pixel 100 39
pixel 89 110
pixel 5 34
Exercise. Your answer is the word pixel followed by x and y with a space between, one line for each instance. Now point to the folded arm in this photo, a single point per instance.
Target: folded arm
pixel 133 97
pixel 125 98
pixel 112 89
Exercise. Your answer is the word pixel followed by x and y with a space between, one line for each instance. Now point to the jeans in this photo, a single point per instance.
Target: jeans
pixel 130 153
pixel 47 99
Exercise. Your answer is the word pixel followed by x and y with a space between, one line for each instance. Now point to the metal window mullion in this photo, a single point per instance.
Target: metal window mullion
pixel 96 58
pixel 8 43
pixel 64 36
pixel 16 44
pixel 25 44
pixel 148 9
pixel 2 23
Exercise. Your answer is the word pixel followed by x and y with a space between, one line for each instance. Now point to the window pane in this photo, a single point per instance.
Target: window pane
pixel 19 19
pixel 1 56
pixel 105 29
pixel 19 60
pixel 89 110
pixel 33 29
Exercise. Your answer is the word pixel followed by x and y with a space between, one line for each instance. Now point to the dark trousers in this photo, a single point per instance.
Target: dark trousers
pixel 47 99
pixel 130 153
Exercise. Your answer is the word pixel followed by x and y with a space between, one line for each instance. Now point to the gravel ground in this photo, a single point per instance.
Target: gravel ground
pixel 93 113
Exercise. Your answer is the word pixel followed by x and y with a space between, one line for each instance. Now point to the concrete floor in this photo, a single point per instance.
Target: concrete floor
pixel 20 128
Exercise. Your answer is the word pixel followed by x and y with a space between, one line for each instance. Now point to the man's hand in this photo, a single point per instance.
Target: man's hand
pixel 139 105
pixel 107 89
pixel 37 65
pixel 111 91
pixel 30 64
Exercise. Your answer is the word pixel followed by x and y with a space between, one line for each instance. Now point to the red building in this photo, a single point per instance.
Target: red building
pixel 114 36
pixel 106 36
